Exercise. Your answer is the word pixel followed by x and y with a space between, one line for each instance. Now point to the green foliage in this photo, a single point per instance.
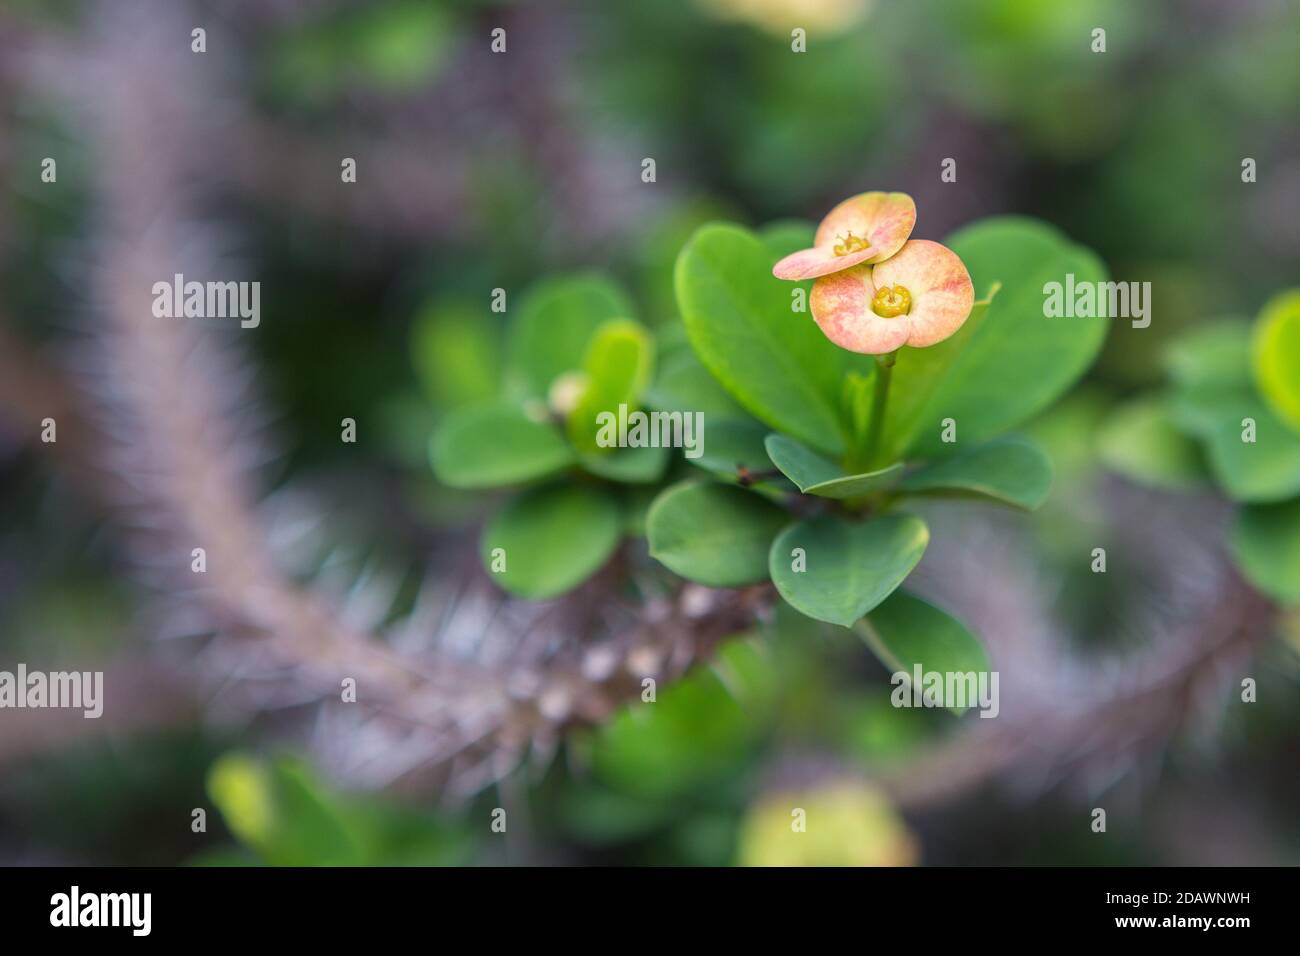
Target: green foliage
pixel 552 538
pixel 554 324
pixel 491 446
pixel 1265 469
pixel 1008 362
pixel 633 466
pixel 815 475
pixel 786 236
pixel 748 349
pixel 698 729
pixel 279 812
pixel 615 371
pixel 283 814
pixel 1276 356
pixel 1013 471
pixel 571 355
pixel 1215 401
pixel 1266 545
pixel 683 384
pixel 905 631
pixel 713 534
pixel 1217 411
pixel 456 354
pixel 1140 442
pixel 850 566
pixel 390 46
pixel 735 448
pixel 600 816
pixel 1214 355
pixel 774 362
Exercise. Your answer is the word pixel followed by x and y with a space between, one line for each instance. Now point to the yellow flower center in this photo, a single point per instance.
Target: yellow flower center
pixel 890 301
pixel 850 244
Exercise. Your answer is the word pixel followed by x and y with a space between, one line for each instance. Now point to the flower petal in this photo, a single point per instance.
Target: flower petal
pixel 818 261
pixel 941 289
pixel 884 219
pixel 841 305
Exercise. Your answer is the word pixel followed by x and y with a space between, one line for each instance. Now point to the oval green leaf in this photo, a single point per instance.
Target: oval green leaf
pixel 1266 547
pixel 1140 441
pixel 733 449
pixel 490 446
pixel 634 466
pixel 683 384
pixel 553 324
pixel 906 633
pixel 713 534
pixel 1252 454
pixel 551 539
pixel 456 354
pixel 816 475
pixel 1013 471
pixel 1216 354
pixel 1009 362
pixel 740 321
pixel 837 571
pixel 617 367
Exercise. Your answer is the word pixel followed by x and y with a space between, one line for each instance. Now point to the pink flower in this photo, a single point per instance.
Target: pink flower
pixel 918 297
pixel 868 228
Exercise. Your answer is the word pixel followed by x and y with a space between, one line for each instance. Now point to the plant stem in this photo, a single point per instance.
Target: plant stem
pixel 879 401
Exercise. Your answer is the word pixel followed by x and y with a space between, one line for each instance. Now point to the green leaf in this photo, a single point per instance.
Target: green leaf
pixel 553 325
pixel 456 354
pixel 658 240
pixel 616 367
pixel 1140 441
pixel 819 476
pixel 774 361
pixel 732 448
pixel 906 632
pixel 1266 547
pixel 1012 361
pixel 552 539
pixel 488 446
pixel 1213 355
pixel 1013 471
pixel 786 236
pixel 1276 356
pixel 714 534
pixel 848 568
pixel 684 385
pixel 282 812
pixel 698 731
pixel 634 466
pixel 1264 470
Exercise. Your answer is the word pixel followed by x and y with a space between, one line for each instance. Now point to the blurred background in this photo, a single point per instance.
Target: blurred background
pixel 478 170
